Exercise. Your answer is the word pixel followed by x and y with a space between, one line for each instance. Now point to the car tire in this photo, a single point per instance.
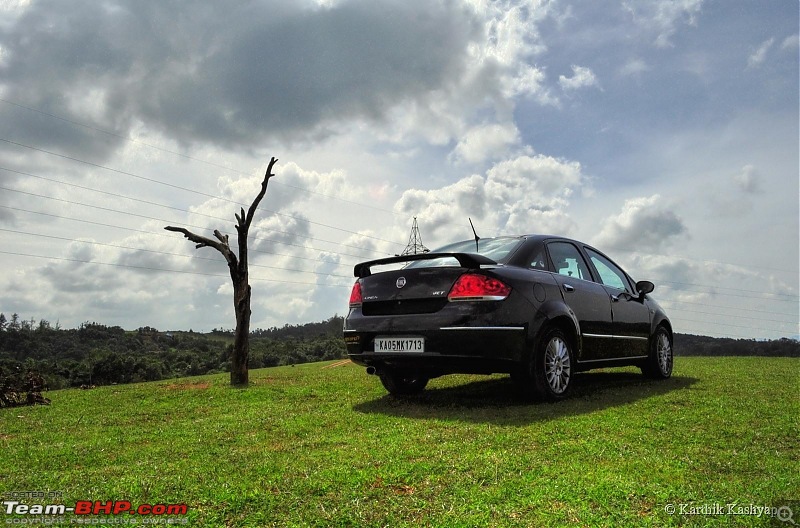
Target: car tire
pixel 659 361
pixel 403 383
pixel 549 371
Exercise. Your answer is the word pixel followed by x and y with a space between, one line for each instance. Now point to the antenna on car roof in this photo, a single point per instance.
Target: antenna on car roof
pixel 474 233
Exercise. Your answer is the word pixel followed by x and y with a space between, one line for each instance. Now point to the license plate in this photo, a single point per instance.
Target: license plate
pixel 399 344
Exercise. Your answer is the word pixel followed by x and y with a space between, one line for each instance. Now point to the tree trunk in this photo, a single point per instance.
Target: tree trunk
pixel 240 375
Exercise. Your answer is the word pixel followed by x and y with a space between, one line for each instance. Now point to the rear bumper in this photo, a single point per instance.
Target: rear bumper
pixel 461 337
pixel 448 350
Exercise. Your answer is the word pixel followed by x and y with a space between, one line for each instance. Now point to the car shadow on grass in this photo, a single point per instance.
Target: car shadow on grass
pixel 492 400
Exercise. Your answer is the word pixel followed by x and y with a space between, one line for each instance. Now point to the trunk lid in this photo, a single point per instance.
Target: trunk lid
pixel 408 291
pixel 417 289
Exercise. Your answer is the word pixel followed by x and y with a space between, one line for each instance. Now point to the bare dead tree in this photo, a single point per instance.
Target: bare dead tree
pixel 240 277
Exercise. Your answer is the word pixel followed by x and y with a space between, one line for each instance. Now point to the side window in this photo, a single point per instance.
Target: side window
pixel 568 260
pixel 538 260
pixel 610 275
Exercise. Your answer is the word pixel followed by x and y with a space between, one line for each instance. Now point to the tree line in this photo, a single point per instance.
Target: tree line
pixel 695 345
pixel 96 354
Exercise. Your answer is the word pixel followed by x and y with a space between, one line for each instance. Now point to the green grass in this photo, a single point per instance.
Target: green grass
pixel 314 446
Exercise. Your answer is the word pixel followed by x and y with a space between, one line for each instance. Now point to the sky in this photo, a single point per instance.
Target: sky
pixel 665 133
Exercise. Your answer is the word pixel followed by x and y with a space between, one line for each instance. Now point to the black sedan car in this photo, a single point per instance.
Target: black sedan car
pixel 538 307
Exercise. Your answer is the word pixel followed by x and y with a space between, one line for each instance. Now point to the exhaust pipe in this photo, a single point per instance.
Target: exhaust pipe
pixel 372 371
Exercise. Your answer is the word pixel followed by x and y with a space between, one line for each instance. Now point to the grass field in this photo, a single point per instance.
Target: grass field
pixel 316 446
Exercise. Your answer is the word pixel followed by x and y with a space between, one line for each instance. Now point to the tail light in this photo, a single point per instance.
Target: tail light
pixel 355 295
pixel 475 287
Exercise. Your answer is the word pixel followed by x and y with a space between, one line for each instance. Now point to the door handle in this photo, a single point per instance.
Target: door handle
pixel 568 287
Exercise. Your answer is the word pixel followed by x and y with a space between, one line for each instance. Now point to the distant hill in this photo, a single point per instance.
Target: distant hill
pixel 694 345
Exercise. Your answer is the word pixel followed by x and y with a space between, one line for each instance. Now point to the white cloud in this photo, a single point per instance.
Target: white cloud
pixel 512 29
pixel 662 17
pixel 748 180
pixel 486 142
pixel 274 232
pixel 528 81
pixel 497 73
pixel 645 223
pixel 791 43
pixel 760 55
pixel 540 175
pixel 226 289
pixel 634 67
pixel 581 78
pixel 735 196
pixel 525 194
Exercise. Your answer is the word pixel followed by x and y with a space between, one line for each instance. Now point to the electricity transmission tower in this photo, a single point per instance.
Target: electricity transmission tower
pixel 414 241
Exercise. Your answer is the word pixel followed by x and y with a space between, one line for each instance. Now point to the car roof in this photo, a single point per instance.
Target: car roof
pixel 534 237
pixel 538 237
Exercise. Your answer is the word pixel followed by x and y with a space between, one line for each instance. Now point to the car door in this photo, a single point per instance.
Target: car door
pixel 587 299
pixel 630 315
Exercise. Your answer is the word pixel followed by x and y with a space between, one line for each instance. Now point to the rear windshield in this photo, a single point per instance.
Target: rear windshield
pixel 497 249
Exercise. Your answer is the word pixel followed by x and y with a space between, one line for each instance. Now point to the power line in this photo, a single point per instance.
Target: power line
pixel 758 329
pixel 186 189
pixel 683 310
pixel 117 195
pixel 794 300
pixel 705 261
pixel 725 307
pixel 118 171
pixel 276 212
pixel 210 163
pixel 186 156
pixel 726 335
pixel 149 268
pixel 303 247
pixel 325 225
pixel 414 240
pixel 737 308
pixel 195 257
pixel 782 323
pixel 116 211
pixel 150 233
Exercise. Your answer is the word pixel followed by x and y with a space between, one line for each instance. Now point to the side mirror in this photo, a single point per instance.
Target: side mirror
pixel 645 287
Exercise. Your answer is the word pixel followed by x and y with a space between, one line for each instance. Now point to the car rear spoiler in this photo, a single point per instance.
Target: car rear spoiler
pixel 466 260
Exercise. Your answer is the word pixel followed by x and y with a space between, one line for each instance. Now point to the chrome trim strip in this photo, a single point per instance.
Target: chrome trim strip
pixel 610 359
pixel 631 337
pixel 346 331
pixel 482 328
pixel 478 298
pixel 606 336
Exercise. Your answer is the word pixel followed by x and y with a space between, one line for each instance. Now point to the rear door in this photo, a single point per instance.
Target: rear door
pixel 588 300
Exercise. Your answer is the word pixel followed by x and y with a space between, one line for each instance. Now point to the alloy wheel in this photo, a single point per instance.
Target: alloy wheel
pixel 557 368
pixel 664 353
